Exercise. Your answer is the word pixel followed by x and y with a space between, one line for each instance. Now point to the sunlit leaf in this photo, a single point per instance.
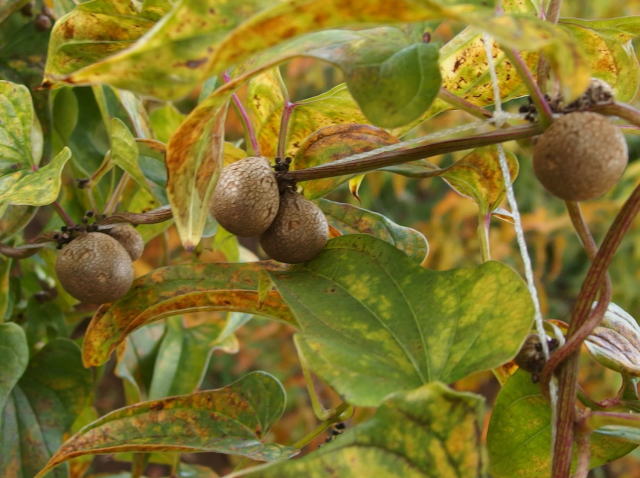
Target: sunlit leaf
pixel 349 219
pixel 20 133
pixel 165 120
pixel 335 142
pixel 415 434
pixel 40 187
pixel 194 160
pixel 199 39
pixel 400 325
pixel 608 48
pixel 265 103
pixel 124 151
pixel 519 436
pixel 180 289
pixel 233 420
pixel 479 177
pixel 53 390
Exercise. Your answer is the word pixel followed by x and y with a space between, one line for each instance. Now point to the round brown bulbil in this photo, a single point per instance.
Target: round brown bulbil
pixel 95 268
pixel 245 200
pixel 580 156
pixel 128 238
pixel 299 231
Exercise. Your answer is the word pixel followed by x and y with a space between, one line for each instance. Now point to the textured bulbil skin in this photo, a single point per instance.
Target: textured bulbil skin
pixel 128 238
pixel 299 231
pixel 95 268
pixel 580 156
pixel 246 198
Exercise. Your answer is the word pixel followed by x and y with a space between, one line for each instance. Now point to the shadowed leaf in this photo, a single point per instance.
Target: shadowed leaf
pixel 415 434
pixel 40 187
pixel 14 356
pixel 180 289
pixel 400 325
pixel 349 219
pixel 479 177
pixel 519 434
pixel 20 133
pixel 42 407
pixel 231 420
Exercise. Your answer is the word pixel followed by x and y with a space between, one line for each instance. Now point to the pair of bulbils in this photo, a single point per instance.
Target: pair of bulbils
pixel 97 267
pixel 247 202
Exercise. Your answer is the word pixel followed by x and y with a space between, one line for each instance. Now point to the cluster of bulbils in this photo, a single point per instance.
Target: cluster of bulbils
pixel 248 202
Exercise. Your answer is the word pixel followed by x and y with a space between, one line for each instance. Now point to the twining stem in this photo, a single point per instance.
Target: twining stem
pixel 622 110
pixel 389 158
pixel 462 104
pixel 246 121
pixel 117 193
pixel 553 11
pixel 582 312
pixel 580 225
pixel 339 414
pixel 63 214
pixel 542 105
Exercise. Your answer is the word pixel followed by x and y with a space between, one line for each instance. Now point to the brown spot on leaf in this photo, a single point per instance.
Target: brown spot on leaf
pixel 195 63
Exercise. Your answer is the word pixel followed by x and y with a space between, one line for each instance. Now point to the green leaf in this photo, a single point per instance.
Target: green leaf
pixel 265 103
pixel 14 356
pixel 608 47
pixel 233 420
pixel 7 7
pixel 349 219
pixel 180 289
pixel 20 132
pixel 519 436
pixel 184 353
pixel 124 151
pixel 479 177
pixel 428 432
pixel 53 390
pixel 5 292
pixel 165 120
pixel 400 325
pixel 194 159
pixel 40 187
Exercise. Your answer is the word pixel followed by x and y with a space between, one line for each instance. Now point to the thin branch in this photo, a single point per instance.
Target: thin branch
pixel 621 110
pixel 244 116
pixel 376 161
pixel 117 192
pixel 63 214
pixel 553 11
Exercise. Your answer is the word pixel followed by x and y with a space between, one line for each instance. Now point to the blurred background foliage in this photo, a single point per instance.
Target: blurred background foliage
pixel 75 117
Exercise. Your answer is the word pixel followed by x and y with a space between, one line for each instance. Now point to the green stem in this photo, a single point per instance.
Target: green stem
pixel 484 222
pixel 284 128
pixel 117 192
pixel 320 412
pixel 389 158
pixel 462 104
pixel 338 415
pixel 544 110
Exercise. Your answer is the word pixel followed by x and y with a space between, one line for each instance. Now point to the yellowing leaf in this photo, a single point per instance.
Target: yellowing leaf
pixel 20 133
pixel 180 289
pixel 232 420
pixel 479 177
pixel 40 187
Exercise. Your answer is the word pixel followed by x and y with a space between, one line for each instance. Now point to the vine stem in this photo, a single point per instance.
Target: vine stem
pixel 622 110
pixel 484 223
pixel 284 127
pixel 63 214
pixel 389 158
pixel 553 11
pixel 461 103
pixel 340 413
pixel 596 277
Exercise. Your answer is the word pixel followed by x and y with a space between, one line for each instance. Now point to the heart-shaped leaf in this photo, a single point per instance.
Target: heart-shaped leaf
pixel 519 436
pixel 479 177
pixel 42 407
pixel 415 434
pixel 40 187
pixel 232 420
pixel 400 325
pixel 349 219
pixel 20 133
pixel 180 289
